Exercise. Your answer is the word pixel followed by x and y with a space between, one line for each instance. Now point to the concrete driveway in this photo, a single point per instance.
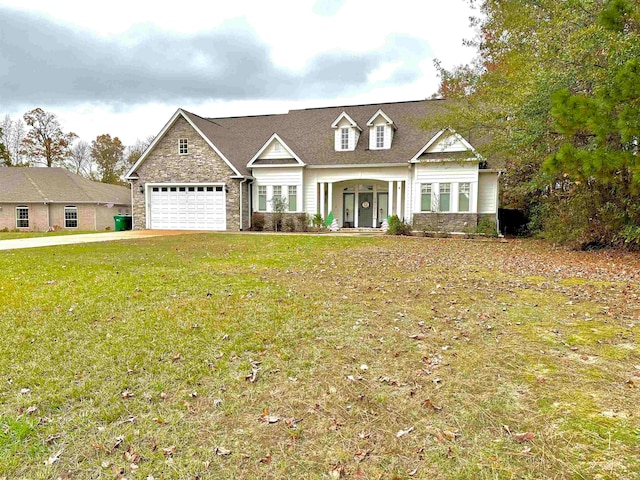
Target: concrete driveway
pixel 85 238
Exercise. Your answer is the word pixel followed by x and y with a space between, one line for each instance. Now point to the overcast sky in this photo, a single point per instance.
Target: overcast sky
pixel 124 67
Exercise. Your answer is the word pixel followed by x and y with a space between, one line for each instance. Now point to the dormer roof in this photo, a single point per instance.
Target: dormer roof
pixel 345 116
pixel 380 113
pixel 275 138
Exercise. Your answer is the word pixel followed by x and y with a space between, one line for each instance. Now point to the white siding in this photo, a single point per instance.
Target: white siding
pixel 283 176
pixel 450 172
pixel 488 193
pixel 270 152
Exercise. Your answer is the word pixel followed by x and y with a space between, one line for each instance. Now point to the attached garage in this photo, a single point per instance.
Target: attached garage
pixel 186 206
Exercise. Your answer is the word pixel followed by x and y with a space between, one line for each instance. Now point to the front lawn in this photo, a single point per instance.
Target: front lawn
pixel 237 356
pixel 18 235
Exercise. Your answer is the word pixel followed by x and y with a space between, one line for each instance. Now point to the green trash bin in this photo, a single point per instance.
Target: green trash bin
pixel 123 222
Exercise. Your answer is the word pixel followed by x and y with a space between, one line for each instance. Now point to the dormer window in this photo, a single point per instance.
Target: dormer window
pixel 344 139
pixel 183 146
pixel 381 129
pixel 379 136
pixel 347 133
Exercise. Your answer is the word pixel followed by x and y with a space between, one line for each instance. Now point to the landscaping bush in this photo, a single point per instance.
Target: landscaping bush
pixel 398 227
pixel 289 224
pixel 302 220
pixel 318 221
pixel 487 227
pixel 257 222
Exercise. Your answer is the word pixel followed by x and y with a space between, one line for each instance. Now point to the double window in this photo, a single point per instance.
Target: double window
pixel 380 136
pixel 183 146
pixel 22 216
pixel 70 216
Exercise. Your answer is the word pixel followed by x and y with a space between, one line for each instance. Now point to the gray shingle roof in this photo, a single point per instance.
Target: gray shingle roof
pixel 309 134
pixel 56 185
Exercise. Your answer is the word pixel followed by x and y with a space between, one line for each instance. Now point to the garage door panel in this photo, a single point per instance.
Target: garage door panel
pixel 187 207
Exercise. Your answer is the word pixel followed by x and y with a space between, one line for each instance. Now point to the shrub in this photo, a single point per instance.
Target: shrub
pixel 257 222
pixel 318 221
pixel 289 224
pixel 487 227
pixel 303 222
pixel 398 227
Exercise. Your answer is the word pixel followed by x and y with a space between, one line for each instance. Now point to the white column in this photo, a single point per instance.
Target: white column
pixel 356 206
pixel 390 197
pixel 330 200
pixel 321 199
pixel 399 199
pixel 375 205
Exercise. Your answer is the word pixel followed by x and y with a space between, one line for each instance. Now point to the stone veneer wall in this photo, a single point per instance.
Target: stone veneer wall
pixel 450 222
pixel 200 165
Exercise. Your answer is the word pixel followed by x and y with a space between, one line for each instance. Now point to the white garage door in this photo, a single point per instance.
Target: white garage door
pixel 187 207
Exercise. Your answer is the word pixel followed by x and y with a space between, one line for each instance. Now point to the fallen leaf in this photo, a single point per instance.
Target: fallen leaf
pixel 402 433
pixel 169 451
pixel 266 459
pixel 524 437
pixel 126 394
pixel 506 429
pixel 429 404
pixel 54 458
pixel 119 441
pixel 31 410
pixel 222 451
pixel 176 357
pixel 336 472
pixel 361 455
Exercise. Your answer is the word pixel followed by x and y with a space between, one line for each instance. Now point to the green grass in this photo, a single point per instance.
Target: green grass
pixel 113 352
pixel 18 235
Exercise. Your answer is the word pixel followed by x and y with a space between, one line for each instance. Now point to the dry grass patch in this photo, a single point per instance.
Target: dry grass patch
pixel 318 357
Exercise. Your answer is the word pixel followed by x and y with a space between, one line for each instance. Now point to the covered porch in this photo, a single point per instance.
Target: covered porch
pixel 361 203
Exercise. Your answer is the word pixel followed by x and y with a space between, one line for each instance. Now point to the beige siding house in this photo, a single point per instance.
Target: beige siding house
pixel 44 199
pixel 356 164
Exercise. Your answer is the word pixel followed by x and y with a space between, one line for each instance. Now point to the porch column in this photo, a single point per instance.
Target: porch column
pixel 390 197
pixel 399 199
pixel 330 200
pixel 375 205
pixel 321 199
pixel 356 207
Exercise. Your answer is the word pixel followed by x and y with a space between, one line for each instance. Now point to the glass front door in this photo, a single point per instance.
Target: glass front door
pixel 347 210
pixel 383 204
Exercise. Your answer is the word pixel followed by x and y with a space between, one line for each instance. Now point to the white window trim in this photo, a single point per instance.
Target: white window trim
pixel 71 208
pixel 266 199
pixel 343 130
pixel 22 207
pixel 186 143
pixel 377 130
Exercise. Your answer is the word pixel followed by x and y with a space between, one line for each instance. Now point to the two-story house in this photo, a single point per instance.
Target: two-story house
pixel 360 164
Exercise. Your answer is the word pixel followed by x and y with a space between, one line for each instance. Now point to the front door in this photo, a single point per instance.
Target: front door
pixel 365 209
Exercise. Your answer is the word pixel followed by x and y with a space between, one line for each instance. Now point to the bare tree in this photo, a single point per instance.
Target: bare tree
pixel 80 160
pixel 13 132
pixel 135 151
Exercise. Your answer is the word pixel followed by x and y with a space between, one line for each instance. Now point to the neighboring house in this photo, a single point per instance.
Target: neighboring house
pixel 359 164
pixel 43 199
